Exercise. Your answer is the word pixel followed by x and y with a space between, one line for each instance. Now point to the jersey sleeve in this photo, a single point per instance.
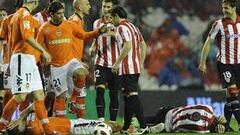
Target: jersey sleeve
pixel 4 29
pixel 139 36
pixel 40 35
pixel 214 30
pixel 123 34
pixel 95 24
pixel 79 32
pixel 27 27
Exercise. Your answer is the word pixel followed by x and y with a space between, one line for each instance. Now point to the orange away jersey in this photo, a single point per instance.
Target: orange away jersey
pixel 5 34
pixel 23 27
pixel 79 43
pixel 58 39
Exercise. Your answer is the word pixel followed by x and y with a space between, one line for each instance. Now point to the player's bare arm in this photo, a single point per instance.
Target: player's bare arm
pixel 205 51
pixel 37 46
pixel 92 49
pixel 143 49
pixel 123 54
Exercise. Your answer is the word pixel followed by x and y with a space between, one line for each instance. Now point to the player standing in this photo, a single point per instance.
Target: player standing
pixel 58 37
pixel 106 56
pixel 226 32
pixel 129 65
pixel 81 8
pixel 26 79
pixel 4 60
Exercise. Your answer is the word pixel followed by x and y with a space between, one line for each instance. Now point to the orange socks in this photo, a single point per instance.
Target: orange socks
pixel 9 109
pixel 41 112
pixel 80 103
pixel 7 97
pixel 59 108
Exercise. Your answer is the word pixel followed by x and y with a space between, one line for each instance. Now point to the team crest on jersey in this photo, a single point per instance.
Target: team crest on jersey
pixel 27 85
pixel 26 24
pixel 59 33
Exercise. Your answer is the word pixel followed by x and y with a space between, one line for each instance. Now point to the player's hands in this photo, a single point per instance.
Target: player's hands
pixel 13 124
pixel 103 29
pixel 47 56
pixel 220 129
pixel 222 120
pixel 92 51
pixel 111 32
pixel 115 68
pixel 202 67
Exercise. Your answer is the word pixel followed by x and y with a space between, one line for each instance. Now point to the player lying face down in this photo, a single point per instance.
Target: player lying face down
pixel 193 118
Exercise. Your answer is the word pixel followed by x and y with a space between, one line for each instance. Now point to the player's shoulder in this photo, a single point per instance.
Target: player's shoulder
pixel 97 22
pixel 45 25
pixel 73 17
pixel 7 18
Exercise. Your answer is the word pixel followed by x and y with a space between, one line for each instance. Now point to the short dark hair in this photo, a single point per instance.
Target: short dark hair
pixel 114 2
pixel 55 6
pixel 234 3
pixel 18 4
pixel 3 9
pixel 119 11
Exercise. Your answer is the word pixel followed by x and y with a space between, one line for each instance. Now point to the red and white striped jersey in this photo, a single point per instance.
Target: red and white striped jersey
pixel 107 50
pixel 42 16
pixel 227 35
pixel 126 32
pixel 193 118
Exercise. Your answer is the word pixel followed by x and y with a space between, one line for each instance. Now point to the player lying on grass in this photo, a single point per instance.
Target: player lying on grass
pixel 192 118
pixel 28 123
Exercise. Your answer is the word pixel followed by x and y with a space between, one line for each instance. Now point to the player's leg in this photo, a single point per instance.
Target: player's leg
pixel 5 93
pixel 9 109
pixel 100 75
pixel 233 92
pixel 2 95
pixel 132 101
pixel 18 89
pixel 226 78
pixel 59 86
pixel 32 82
pixel 113 85
pixel 2 92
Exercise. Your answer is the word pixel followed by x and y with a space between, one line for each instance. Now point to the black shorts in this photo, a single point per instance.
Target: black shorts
pixel 105 76
pixel 1 80
pixel 229 74
pixel 129 83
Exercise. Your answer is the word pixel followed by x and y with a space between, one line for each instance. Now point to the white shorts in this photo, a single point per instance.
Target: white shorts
pixel 24 74
pixel 62 77
pixel 83 126
pixel 6 77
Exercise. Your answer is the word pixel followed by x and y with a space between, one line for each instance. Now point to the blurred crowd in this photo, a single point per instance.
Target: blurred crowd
pixel 175 31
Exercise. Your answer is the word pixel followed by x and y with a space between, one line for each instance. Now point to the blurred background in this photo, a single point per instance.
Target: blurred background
pixel 174 31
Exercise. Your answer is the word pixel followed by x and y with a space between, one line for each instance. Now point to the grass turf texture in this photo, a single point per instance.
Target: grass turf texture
pixel 92 114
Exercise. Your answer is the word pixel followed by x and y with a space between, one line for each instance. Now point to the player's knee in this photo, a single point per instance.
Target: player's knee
pixel 63 95
pixel 38 95
pixel 101 86
pixel 19 98
pixel 233 91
